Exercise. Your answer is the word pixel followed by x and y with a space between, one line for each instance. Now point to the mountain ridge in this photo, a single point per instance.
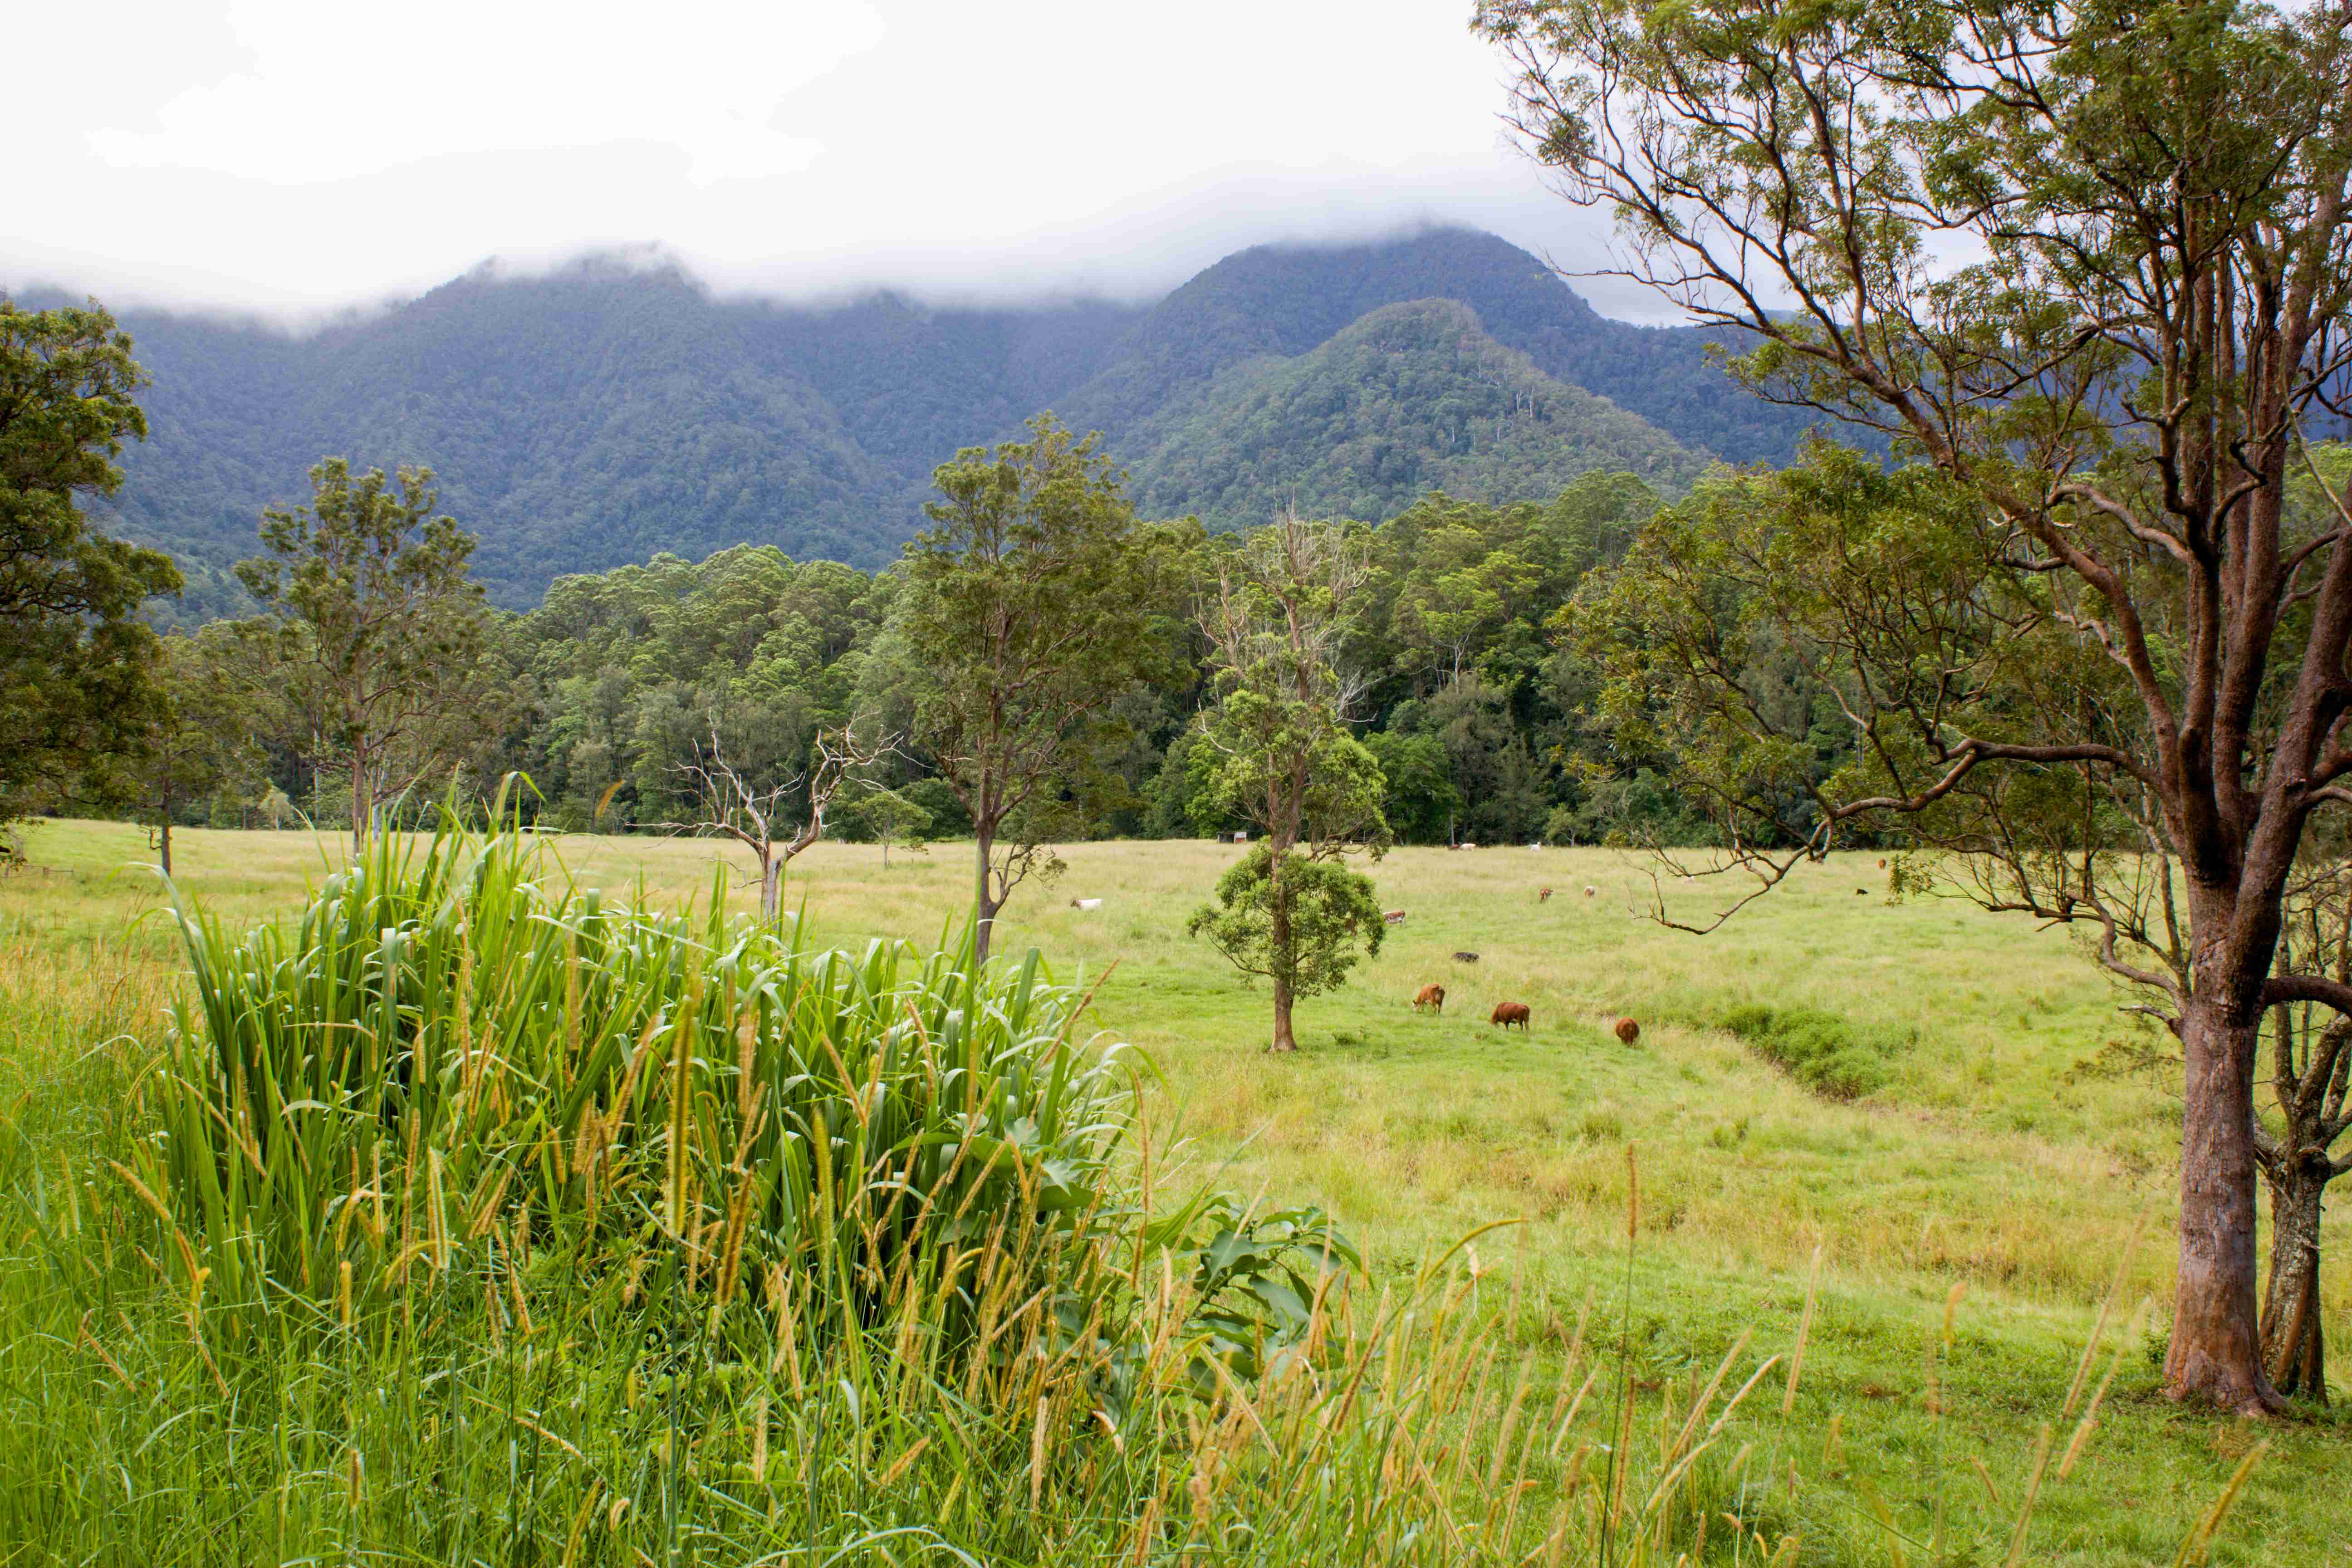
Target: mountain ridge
pixel 595 415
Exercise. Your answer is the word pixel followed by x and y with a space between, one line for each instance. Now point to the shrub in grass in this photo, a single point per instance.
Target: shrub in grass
pixel 453 1050
pixel 1828 1054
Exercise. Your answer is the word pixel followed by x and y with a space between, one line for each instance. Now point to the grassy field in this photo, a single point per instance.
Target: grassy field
pixel 1987 1169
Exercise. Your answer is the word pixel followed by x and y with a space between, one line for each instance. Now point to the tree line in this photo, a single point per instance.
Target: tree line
pixel 380 671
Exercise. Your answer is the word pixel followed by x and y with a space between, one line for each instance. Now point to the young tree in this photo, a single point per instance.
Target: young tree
pixel 1025 613
pixel 77 692
pixel 890 816
pixel 763 820
pixel 1278 754
pixel 206 736
pixel 2090 266
pixel 1299 923
pixel 380 631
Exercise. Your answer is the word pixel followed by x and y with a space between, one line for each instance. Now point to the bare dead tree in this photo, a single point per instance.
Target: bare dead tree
pixel 763 820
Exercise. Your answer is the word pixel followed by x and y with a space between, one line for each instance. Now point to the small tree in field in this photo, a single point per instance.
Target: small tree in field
pixel 1026 614
pixel 2089 267
pixel 381 632
pixel 891 817
pixel 1327 916
pixel 205 739
pixel 1278 754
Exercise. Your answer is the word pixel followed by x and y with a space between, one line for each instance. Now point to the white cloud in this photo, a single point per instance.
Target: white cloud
pixel 323 99
pixel 290 156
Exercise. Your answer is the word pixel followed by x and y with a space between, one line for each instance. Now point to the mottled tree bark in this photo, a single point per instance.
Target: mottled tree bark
pixel 2294 1347
pixel 2216 1347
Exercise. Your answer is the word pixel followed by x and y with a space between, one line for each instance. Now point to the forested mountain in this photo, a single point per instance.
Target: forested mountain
pixel 1407 399
pixel 590 418
pixel 1285 300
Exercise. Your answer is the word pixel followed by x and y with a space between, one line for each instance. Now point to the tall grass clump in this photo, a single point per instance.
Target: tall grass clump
pixel 1833 1055
pixel 455 1048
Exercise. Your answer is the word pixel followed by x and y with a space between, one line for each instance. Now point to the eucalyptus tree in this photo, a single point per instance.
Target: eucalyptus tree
pixel 379 632
pixel 775 819
pixel 78 687
pixel 1276 751
pixel 2088 266
pixel 205 738
pixel 1023 614
pixel 2300 1145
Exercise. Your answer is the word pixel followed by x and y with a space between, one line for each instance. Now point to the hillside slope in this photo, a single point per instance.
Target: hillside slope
pixel 1287 300
pixel 1407 399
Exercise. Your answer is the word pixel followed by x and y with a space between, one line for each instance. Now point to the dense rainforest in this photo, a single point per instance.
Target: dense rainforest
pixel 610 413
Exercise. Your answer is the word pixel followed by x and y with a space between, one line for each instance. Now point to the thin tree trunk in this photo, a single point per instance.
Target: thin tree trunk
pixel 363 801
pixel 771 889
pixel 983 908
pixel 163 839
pixel 2293 1346
pixel 1279 940
pixel 2216 1351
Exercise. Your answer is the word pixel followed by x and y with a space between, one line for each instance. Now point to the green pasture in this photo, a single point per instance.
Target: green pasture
pixel 1990 1178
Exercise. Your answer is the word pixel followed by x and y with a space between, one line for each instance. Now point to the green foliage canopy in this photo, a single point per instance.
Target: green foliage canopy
pixel 76 688
pixel 1330 920
pixel 381 633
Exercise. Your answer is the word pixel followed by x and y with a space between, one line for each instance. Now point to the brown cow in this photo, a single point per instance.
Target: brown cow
pixel 1509 1012
pixel 1431 997
pixel 1628 1030
pixel 1543 895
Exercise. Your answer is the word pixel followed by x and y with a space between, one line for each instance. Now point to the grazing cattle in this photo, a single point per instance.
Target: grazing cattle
pixel 1393 917
pixel 1881 864
pixel 1543 895
pixel 1589 889
pixel 1509 1012
pixel 1466 958
pixel 1628 1030
pixel 1085 903
pixel 1431 997
pixel 1861 892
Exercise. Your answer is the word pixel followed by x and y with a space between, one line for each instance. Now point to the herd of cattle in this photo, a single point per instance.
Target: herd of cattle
pixel 1430 998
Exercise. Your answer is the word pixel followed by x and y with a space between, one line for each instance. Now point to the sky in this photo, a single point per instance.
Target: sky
pixel 294 157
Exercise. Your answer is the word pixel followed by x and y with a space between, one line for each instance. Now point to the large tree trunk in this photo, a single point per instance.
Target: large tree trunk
pixel 2216 1351
pixel 2293 1347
